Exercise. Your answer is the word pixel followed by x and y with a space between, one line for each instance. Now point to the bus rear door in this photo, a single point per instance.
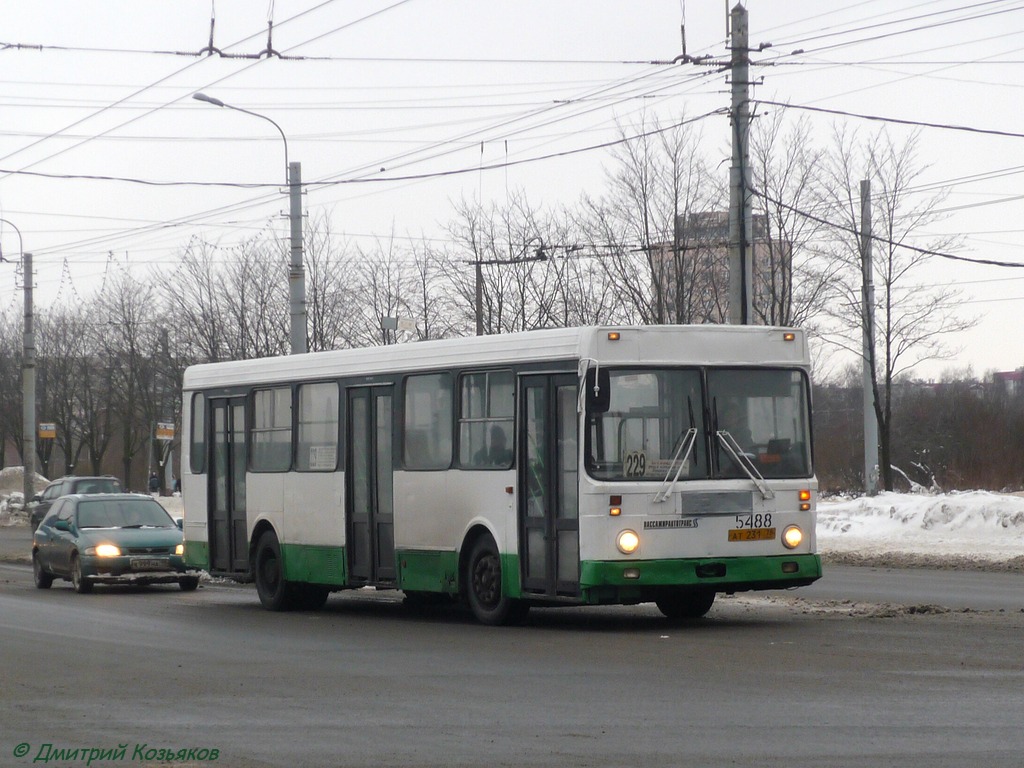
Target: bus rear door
pixel 369 486
pixel 228 535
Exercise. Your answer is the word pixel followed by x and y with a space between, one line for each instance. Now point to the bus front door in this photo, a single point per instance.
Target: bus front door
pixel 549 485
pixel 228 535
pixel 369 486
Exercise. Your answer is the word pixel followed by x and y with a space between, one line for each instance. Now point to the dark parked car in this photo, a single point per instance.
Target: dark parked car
pixel 122 538
pixel 42 502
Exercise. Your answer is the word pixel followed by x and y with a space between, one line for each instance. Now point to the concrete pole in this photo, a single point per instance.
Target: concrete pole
pixel 28 385
pixel 296 270
pixel 868 328
pixel 479 298
pixel 740 225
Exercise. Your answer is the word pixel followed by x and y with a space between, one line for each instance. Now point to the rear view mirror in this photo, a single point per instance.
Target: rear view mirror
pixel 62 525
pixel 599 391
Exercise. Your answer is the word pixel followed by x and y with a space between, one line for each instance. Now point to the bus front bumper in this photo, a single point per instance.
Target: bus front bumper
pixel 618 580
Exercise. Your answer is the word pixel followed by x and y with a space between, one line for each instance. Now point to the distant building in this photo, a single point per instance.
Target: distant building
pixel 691 275
pixel 1009 383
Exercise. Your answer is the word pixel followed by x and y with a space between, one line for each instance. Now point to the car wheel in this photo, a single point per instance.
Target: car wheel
pixel 685 604
pixel 275 593
pixel 42 578
pixel 483 587
pixel 79 582
pixel 188 583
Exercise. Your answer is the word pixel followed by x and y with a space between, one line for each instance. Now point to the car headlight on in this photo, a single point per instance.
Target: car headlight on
pixel 180 549
pixel 792 537
pixel 104 550
pixel 627 541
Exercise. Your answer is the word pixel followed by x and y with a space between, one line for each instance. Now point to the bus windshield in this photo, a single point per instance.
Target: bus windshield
pixel 655 424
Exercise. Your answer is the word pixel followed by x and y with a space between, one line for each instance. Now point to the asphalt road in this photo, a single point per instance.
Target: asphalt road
pixel 763 680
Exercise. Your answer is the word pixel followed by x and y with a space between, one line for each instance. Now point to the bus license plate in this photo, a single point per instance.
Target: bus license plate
pixel 751 534
pixel 149 564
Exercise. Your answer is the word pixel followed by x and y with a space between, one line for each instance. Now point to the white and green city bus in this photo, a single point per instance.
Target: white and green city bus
pixel 581 466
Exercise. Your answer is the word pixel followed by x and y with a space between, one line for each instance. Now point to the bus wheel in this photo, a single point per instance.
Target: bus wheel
pixel 685 603
pixel 275 593
pixel 483 587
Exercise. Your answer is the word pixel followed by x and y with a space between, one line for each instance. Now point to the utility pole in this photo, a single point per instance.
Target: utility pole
pixel 28 388
pixel 296 270
pixel 740 226
pixel 868 329
pixel 479 298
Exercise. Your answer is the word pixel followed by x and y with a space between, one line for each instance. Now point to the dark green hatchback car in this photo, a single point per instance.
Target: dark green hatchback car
pixel 115 538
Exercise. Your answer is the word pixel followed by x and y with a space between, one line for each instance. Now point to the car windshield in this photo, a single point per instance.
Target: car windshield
pixel 122 513
pixel 98 485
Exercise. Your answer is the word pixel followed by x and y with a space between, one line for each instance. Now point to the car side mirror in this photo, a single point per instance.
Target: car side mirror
pixel 37 497
pixel 180 522
pixel 62 525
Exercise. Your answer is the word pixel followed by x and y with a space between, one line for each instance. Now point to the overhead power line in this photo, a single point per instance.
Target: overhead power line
pixel 377 179
pixel 896 120
pixel 885 241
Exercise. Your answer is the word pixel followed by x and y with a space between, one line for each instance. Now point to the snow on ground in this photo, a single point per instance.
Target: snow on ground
pixel 967 529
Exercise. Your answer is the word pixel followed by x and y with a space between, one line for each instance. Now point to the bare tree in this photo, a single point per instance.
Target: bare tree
pixel 650 226
pixel 62 343
pixel 794 278
pixel 193 296
pixel 912 322
pixel 332 298
pixel 10 383
pixel 129 338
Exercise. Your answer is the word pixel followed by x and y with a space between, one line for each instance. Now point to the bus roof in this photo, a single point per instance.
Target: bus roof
pixel 646 345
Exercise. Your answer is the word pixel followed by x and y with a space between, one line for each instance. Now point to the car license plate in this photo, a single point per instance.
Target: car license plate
pixel 150 564
pixel 751 534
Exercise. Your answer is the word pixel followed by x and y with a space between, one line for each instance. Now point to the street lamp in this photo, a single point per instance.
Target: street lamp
pixel 28 377
pixel 296 270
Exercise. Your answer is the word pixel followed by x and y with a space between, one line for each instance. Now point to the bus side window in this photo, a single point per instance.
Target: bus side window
pixel 197 436
pixel 428 421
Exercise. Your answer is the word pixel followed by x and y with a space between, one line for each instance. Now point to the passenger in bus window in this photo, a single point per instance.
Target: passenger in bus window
pixel 497 453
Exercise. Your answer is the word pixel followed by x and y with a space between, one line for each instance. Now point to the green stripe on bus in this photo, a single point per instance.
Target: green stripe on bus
pixel 197 555
pixel 428 571
pixel 314 564
pixel 438 571
pixel 765 572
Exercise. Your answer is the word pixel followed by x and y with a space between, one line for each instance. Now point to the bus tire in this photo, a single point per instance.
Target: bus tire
pixel 275 593
pixel 685 603
pixel 484 587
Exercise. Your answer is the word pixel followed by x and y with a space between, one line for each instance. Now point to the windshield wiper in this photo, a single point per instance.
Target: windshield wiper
pixel 743 461
pixel 688 441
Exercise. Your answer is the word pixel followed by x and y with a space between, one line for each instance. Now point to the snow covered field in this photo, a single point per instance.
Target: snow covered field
pixel 968 529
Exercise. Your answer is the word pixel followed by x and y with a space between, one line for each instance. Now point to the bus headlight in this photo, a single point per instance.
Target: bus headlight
pixel 792 537
pixel 627 542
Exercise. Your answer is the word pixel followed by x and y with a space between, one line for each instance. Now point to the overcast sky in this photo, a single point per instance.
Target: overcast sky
pixel 372 93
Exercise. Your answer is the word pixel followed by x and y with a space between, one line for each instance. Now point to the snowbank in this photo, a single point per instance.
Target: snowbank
pixel 12 496
pixel 972 524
